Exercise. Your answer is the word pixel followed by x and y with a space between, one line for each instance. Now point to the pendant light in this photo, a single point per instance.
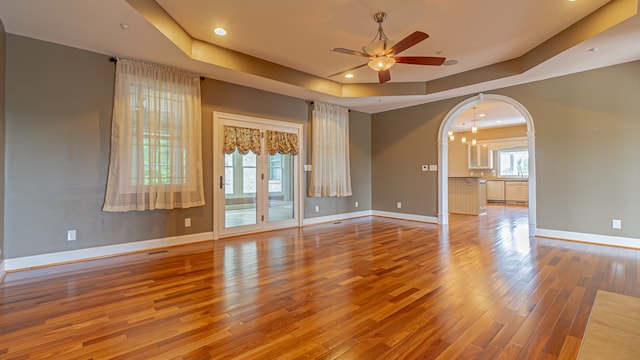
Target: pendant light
pixel 474 128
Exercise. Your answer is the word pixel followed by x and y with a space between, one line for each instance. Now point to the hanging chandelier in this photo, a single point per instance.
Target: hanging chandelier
pixel 474 130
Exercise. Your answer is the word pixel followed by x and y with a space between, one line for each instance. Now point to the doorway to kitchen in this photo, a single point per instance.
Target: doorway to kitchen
pixel 511 150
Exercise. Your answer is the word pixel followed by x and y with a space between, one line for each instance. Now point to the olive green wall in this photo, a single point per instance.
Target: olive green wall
pixel 3 39
pixel 587 132
pixel 401 141
pixel 58 125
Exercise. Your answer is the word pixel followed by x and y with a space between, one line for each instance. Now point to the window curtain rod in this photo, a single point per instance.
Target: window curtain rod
pixel 311 102
pixel 114 60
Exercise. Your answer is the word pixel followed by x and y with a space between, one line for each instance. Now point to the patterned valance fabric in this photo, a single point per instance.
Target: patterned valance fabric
pixel 281 142
pixel 244 139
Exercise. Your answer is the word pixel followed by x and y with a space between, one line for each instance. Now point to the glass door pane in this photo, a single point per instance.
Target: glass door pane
pixel 240 185
pixel 280 187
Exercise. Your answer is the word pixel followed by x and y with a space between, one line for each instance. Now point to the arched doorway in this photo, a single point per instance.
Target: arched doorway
pixel 443 155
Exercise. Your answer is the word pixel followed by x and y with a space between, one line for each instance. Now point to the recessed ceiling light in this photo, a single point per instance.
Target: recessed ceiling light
pixel 450 62
pixel 220 31
pixel 594 49
pixel 498 121
pixel 482 115
pixel 124 26
pixel 349 76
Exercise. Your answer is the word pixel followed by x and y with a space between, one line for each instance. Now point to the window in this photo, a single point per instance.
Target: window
pixel 156 152
pixel 331 175
pixel 513 163
pixel 249 173
pixel 275 173
pixel 228 174
pixel 163 159
pixel 240 174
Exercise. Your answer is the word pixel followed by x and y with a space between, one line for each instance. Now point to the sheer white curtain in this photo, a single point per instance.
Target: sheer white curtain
pixel 156 151
pixel 330 174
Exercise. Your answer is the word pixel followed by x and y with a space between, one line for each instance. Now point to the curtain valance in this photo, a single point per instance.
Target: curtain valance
pixel 243 139
pixel 282 142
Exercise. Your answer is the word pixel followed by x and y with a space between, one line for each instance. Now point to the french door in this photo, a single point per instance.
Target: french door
pixel 254 190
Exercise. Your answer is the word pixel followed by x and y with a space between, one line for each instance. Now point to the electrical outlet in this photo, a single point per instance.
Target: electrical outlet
pixel 425 167
pixel 356 204
pixel 71 235
pixel 317 208
pixel 616 224
pixel 399 205
pixel 187 222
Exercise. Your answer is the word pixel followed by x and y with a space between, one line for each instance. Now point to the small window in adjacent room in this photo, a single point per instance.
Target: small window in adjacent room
pixel 513 163
pixel 275 173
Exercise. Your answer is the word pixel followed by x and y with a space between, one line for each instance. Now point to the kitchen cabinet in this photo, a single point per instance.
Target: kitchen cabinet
pixel 495 190
pixel 517 191
pixel 467 195
pixel 480 156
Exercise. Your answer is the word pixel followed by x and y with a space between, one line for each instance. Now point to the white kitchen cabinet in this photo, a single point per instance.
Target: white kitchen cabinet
pixel 495 190
pixel 517 191
pixel 480 156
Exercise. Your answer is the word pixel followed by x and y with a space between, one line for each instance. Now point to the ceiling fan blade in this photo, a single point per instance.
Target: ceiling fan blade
pixel 407 42
pixel 350 52
pixel 384 76
pixel 348 70
pixel 420 60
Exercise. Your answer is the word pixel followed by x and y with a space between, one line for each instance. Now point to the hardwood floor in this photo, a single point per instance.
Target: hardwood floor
pixel 367 288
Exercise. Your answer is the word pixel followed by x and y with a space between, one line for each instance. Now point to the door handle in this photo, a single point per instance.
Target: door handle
pixel 221 183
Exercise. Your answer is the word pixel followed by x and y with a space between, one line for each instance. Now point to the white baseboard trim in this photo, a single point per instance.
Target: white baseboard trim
pixel 410 217
pixel 590 238
pixel 338 217
pixel 26 262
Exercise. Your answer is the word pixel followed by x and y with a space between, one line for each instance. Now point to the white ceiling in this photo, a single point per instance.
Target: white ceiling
pixel 299 35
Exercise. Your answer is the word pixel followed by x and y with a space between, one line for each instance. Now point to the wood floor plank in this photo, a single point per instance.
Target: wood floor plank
pixel 370 288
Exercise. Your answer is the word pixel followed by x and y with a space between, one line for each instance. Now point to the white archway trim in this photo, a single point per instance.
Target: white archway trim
pixel 443 155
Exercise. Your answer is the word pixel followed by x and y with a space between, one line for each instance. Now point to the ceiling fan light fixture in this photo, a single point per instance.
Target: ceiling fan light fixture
pixel 381 63
pixel 378 47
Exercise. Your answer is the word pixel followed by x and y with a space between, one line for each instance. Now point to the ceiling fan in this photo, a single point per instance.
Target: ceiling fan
pixel 382 52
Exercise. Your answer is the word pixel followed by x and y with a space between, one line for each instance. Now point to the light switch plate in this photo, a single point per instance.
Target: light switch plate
pixel 307 167
pixel 433 167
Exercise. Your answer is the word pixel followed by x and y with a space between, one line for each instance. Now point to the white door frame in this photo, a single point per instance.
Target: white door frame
pixel 222 118
pixel 443 155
